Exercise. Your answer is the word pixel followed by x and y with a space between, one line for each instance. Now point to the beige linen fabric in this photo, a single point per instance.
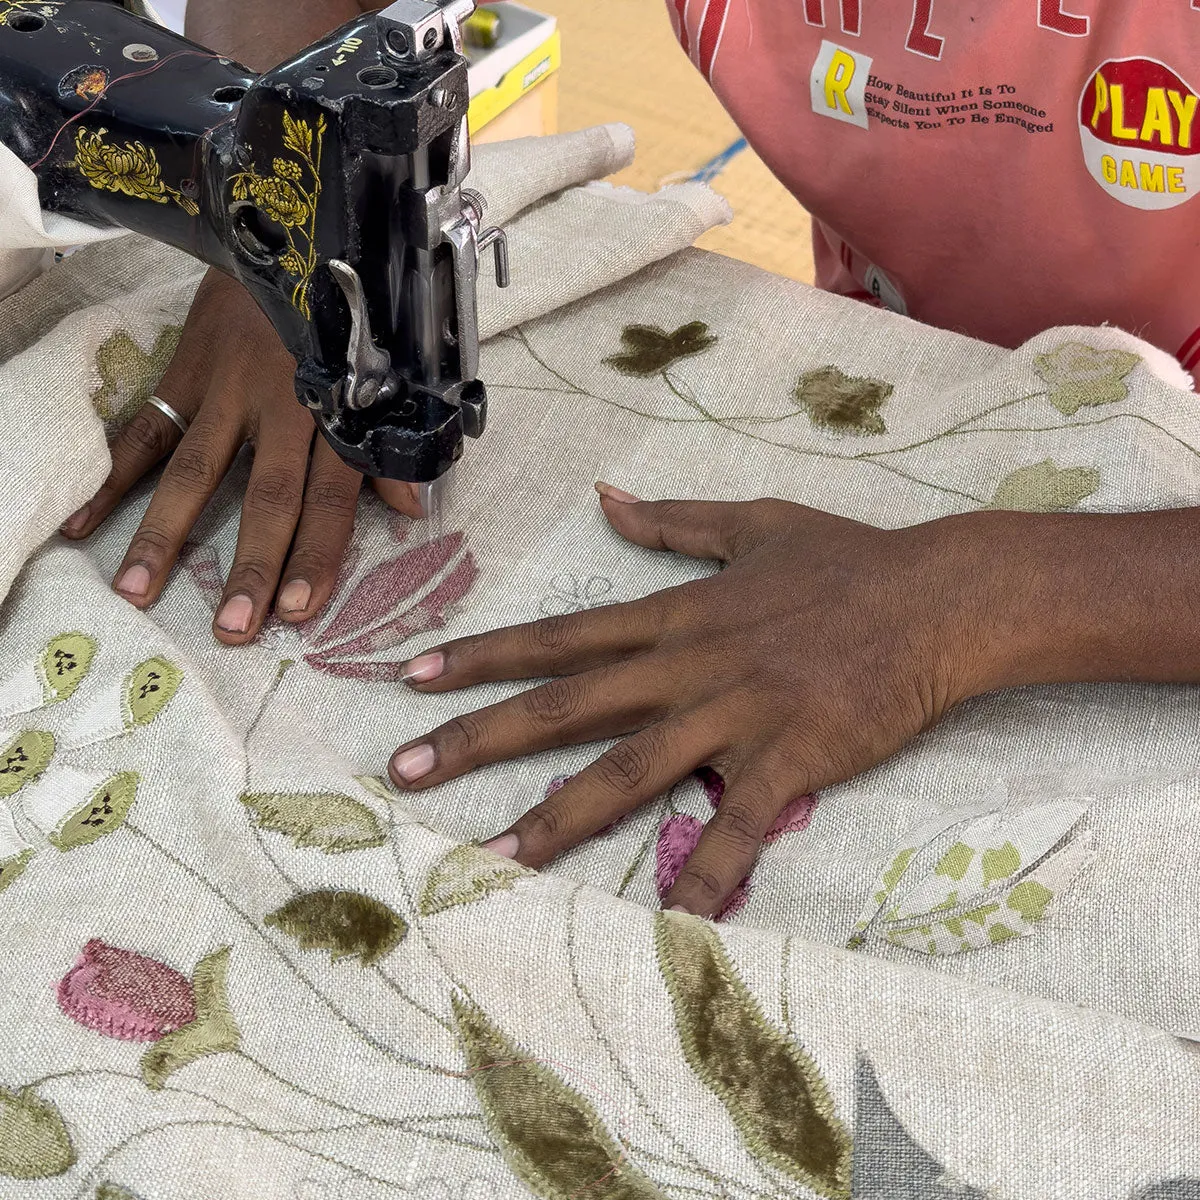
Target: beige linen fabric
pixel 367 1009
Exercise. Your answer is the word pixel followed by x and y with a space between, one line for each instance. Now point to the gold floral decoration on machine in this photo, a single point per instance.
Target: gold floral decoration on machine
pixel 9 8
pixel 289 197
pixel 129 170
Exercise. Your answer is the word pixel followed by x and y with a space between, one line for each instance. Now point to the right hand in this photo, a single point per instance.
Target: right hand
pixel 231 380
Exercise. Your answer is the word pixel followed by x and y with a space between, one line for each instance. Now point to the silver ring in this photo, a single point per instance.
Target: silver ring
pixel 168 412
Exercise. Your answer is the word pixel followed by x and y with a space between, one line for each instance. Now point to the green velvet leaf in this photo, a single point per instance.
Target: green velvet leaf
pixel 326 821
pixel 149 689
pixel 13 867
pixel 24 759
pixel 114 1191
pixel 214 1031
pixel 103 812
pixel 465 875
pixel 347 924
pixel 1045 487
pixel 34 1143
pixel 772 1090
pixel 552 1139
pixel 63 665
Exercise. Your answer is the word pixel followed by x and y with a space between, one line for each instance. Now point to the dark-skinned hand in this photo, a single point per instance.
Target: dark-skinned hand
pixel 822 648
pixel 231 379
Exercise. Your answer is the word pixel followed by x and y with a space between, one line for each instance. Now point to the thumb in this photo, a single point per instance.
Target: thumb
pixel 699 528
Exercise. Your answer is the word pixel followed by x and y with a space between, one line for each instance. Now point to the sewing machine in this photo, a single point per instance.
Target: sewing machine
pixel 331 187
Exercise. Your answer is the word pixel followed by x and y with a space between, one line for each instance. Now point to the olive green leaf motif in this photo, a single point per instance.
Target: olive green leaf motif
pixel 64 664
pixel 1082 376
pixel 24 758
pixel 34 1143
pixel 975 878
pixel 114 1191
pixel 467 874
pixel 649 349
pixel 129 375
pixel 99 815
pixel 347 924
pixel 842 403
pixel 1045 487
pixel 552 1138
pixel 214 1031
pixel 749 1064
pixel 888 1163
pixel 289 197
pixel 327 821
pixel 151 686
pixel 130 170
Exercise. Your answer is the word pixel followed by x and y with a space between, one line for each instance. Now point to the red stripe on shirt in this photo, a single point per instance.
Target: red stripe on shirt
pixel 1192 344
pixel 711 28
pixel 681 12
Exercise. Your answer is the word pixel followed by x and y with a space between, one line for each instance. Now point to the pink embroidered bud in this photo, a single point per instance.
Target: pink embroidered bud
pixel 123 994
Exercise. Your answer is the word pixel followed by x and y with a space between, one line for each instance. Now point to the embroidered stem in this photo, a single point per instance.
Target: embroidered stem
pixel 784 1008
pixel 640 857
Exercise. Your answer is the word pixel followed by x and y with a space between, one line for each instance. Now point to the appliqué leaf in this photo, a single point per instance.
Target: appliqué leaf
pixel 347 924
pixel 748 1064
pixel 328 821
pixel 102 812
pixel 993 883
pixel 15 851
pixel 888 1164
pixel 1045 487
pixel 63 665
pixel 23 759
pixel 467 874
pixel 214 1031
pixel 128 374
pixel 34 1143
pixel 114 1191
pixel 840 402
pixel 649 349
pixel 552 1138
pixel 149 689
pixel 1080 375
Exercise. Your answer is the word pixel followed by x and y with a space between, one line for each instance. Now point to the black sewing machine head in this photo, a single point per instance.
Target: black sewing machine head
pixel 331 187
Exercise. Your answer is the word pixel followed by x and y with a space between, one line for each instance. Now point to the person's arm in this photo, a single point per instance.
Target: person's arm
pixel 822 648
pixel 261 33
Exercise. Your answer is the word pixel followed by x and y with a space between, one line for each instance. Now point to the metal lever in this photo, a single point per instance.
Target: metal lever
pixel 369 366
pixel 498 240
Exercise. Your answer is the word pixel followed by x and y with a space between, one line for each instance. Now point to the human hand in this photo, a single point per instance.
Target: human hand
pixel 231 380
pixel 822 648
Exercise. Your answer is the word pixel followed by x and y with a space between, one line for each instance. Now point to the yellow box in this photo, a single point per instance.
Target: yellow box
pixel 528 53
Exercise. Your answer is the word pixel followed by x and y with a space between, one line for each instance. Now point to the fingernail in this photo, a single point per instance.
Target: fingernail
pixel 506 845
pixel 77 520
pixel 135 581
pixel 424 667
pixel 414 764
pixel 236 615
pixel 295 596
pixel 614 493
pixel 678 908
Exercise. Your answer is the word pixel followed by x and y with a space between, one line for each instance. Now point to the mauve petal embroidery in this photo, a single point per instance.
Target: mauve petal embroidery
pixel 714 785
pixel 677 838
pixel 381 591
pixel 123 994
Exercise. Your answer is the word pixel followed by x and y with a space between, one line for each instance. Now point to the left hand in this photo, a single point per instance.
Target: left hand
pixel 822 648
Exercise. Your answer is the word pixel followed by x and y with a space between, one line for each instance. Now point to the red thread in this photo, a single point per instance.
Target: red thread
pixel 83 112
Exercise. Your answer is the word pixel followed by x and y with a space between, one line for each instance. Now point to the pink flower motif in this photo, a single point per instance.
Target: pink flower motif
pixel 677 838
pixel 795 817
pixel 123 994
pixel 408 594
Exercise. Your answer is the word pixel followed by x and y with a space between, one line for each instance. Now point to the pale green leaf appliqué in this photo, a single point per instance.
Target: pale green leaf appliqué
pixel 34 1142
pixel 1045 487
pixel 23 759
pixel 64 664
pixel 466 874
pixel 328 821
pixel 103 811
pixel 347 924
pixel 214 1031
pixel 150 687
pixel 15 851
pixel 749 1064
pixel 114 1191
pixel 1081 376
pixel 552 1138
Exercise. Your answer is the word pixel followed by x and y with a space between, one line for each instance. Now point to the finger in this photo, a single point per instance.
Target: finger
pixel 270 512
pixel 629 775
pixel 403 497
pixel 731 841
pixel 562 645
pixel 564 712
pixel 140 446
pixel 191 476
pixel 326 522
pixel 710 529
